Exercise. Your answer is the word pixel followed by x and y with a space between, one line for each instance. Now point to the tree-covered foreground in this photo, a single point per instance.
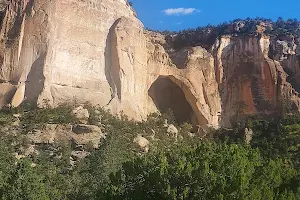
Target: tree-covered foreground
pixel 219 166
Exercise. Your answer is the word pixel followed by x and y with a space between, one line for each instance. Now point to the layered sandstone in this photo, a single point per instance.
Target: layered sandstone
pixel 253 79
pixel 97 52
pixel 74 51
pixel 138 60
pixel 59 49
pixel 194 74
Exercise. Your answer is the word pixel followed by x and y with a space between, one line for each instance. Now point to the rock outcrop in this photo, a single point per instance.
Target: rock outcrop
pixel 78 134
pixel 252 79
pixel 187 87
pixel 54 52
pixel 59 49
pixel 82 114
pixel 98 52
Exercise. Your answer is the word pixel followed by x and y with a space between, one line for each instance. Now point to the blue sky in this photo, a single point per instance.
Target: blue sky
pixel 183 14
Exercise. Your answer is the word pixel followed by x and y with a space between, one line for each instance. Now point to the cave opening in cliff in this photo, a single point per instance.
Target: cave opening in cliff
pixel 168 96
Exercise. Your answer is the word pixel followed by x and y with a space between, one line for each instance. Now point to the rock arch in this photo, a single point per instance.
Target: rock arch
pixel 171 92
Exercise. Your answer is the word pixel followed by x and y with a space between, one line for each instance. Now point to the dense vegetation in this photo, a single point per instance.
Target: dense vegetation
pixel 220 166
pixel 206 36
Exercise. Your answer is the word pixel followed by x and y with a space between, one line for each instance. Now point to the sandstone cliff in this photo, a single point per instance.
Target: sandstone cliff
pixel 60 49
pixel 251 81
pixel 53 52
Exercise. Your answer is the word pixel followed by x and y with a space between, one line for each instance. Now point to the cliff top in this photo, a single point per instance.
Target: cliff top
pixel 288 30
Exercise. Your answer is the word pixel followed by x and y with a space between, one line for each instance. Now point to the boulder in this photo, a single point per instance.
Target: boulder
pixel 143 143
pixel 81 114
pixel 172 131
pixel 55 132
pixel 19 156
pixel 248 135
pixel 93 136
pixel 79 154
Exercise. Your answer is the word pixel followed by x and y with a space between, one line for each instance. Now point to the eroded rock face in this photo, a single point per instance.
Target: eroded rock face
pixel 54 52
pixel 3 4
pixel 128 68
pixel 98 52
pixel 59 49
pixel 195 76
pixel 250 82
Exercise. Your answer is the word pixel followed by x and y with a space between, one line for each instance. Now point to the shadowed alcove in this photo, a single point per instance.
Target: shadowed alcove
pixel 167 95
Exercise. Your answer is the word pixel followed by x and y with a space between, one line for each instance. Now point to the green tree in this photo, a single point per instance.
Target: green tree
pixel 25 183
pixel 208 171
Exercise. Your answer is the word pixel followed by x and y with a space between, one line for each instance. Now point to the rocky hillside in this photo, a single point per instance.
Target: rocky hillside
pixel 55 52
pixel 83 152
pixel 256 63
pixel 288 30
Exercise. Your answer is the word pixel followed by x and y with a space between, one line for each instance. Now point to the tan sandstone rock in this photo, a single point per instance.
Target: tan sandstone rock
pixel 98 52
pixel 19 96
pixel 82 114
pixel 79 134
pixel 172 131
pixel 54 52
pixel 195 77
pixel 61 49
pixel 250 81
pixel 248 135
pixel 143 143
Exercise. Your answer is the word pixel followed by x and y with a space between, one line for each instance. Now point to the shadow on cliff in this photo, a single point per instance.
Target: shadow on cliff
pixel 7 96
pixel 168 96
pixel 35 80
pixel 15 29
pixel 111 74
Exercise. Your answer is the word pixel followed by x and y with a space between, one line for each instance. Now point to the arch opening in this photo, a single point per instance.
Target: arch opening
pixel 167 96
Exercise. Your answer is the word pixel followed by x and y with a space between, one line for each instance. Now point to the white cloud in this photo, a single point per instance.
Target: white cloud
pixel 180 11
